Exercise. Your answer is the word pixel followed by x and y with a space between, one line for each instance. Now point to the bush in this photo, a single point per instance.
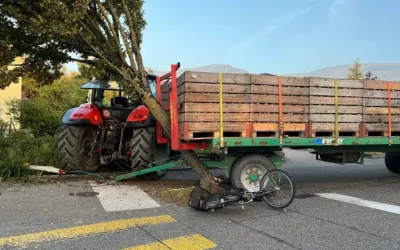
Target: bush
pixel 42 114
pixel 40 119
pixel 21 147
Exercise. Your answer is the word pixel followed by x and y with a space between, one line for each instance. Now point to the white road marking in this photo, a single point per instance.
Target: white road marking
pixel 360 202
pixel 123 197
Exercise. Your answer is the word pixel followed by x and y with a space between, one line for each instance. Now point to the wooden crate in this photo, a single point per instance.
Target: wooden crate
pixel 264 107
pixel 199 115
pixel 375 111
pixel 322 106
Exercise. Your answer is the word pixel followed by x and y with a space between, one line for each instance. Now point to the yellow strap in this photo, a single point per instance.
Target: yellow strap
pixel 336 113
pixel 221 113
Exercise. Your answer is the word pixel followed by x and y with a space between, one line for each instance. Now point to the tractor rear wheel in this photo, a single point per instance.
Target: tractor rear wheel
pixel 143 144
pixel 74 144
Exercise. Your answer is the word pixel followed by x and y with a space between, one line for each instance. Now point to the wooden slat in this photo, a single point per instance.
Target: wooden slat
pixel 272 108
pixel 380 111
pixel 165 88
pixel 342 83
pixel 213 126
pixel 330 127
pixel 214 107
pixel 321 118
pixel 273 80
pixel 371 102
pixel 212 98
pixel 368 93
pixel 381 127
pixel 212 88
pixel 202 77
pixel 324 100
pixel 213 117
pixel 325 109
pixel 268 127
pixel 318 91
pixel 380 118
pixel 259 117
pixel 274 99
pixel 371 84
pixel 273 90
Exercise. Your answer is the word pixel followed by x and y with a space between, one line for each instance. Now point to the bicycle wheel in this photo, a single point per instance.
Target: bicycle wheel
pixel 276 185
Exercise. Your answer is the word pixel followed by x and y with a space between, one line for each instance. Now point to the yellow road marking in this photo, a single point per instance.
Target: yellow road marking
pixel 85 230
pixel 192 242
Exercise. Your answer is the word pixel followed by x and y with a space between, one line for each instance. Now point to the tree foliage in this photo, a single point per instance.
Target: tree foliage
pixel 355 71
pixel 41 115
pixel 370 76
pixel 48 33
pixel 106 34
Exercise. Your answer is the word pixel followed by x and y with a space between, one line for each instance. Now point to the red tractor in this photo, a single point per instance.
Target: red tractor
pixel 120 132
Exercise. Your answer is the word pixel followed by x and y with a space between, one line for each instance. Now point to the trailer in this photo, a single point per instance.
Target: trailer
pixel 246 158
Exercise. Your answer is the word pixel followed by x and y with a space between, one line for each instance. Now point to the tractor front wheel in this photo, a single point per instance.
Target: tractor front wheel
pixel 74 144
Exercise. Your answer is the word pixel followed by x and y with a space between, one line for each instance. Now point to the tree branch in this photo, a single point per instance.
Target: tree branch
pixel 91 62
pixel 111 27
pixel 100 21
pixel 123 34
pixel 136 49
pixel 96 27
pixel 102 56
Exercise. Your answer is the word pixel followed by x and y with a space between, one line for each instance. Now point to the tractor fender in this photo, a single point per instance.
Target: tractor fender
pixel 86 113
pixel 140 117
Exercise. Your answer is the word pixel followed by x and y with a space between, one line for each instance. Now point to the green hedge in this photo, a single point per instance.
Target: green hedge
pixel 22 147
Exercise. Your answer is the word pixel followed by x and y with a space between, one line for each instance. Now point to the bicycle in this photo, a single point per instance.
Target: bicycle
pixel 269 190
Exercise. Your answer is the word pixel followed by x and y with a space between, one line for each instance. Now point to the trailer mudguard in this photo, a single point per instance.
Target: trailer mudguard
pixel 85 113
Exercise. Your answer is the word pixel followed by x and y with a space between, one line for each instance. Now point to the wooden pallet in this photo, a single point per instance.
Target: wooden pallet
pixel 264 106
pixel 199 97
pixel 209 130
pixel 328 129
pixel 271 130
pixel 376 108
pixel 322 106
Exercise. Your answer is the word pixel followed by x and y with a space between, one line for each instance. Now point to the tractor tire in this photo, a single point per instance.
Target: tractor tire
pixel 143 144
pixel 392 162
pixel 245 167
pixel 71 141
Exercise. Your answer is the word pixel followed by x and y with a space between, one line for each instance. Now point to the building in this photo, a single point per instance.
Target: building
pixel 13 91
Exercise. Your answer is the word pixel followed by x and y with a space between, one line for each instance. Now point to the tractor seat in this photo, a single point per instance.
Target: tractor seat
pixel 121 102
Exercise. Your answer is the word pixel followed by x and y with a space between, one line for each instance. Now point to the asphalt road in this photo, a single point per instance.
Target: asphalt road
pixel 326 214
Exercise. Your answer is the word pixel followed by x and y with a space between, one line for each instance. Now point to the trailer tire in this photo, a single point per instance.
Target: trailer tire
pixel 71 141
pixel 250 163
pixel 392 162
pixel 142 147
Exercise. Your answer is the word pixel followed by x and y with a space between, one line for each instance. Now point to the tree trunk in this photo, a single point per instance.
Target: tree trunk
pixel 207 180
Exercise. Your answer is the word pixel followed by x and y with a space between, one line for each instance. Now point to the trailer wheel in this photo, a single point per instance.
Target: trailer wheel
pixel 248 172
pixel 74 143
pixel 392 162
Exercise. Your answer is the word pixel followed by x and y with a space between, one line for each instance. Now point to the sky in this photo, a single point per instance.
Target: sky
pixel 265 36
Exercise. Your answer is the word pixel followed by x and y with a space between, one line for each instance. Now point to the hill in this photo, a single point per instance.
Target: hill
pixel 212 68
pixel 384 71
